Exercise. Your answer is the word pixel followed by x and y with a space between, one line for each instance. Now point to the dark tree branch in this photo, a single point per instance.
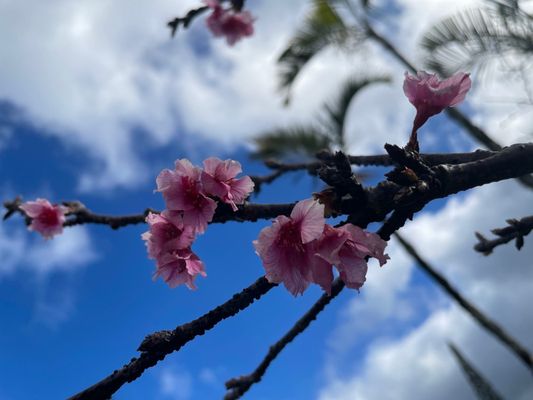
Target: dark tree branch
pixel 186 20
pixel 157 346
pixel 80 214
pixel 512 344
pixel 517 229
pixel 481 386
pixel 380 160
pixel 238 386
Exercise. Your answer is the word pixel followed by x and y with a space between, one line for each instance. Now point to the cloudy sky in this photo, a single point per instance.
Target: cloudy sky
pixel 95 99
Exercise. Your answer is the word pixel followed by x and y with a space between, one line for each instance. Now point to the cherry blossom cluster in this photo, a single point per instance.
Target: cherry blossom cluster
pixel 46 219
pixel 302 249
pixel 190 195
pixel 228 22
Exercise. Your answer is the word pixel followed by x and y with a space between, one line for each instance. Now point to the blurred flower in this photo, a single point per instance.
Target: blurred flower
pixel 234 25
pixel 47 219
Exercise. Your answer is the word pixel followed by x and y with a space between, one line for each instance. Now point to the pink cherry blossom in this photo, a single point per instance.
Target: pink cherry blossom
pixel 234 25
pixel 182 191
pixel 287 248
pixel 430 95
pixel 179 266
pixel 218 179
pixel 347 248
pixel 167 233
pixel 47 219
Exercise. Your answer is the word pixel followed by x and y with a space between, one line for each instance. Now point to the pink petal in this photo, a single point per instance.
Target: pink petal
pixel 241 188
pixel 352 271
pixel 330 244
pixel 310 215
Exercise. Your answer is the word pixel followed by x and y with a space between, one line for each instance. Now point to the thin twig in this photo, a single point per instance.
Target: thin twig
pixel 186 20
pixel 380 160
pixel 238 386
pixel 517 229
pixel 512 344
pixel 479 384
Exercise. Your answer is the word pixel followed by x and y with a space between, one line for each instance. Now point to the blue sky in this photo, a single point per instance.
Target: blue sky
pixel 93 106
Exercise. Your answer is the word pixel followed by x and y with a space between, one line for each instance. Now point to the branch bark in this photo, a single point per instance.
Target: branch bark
pixel 157 346
pixel 492 327
pixel 517 229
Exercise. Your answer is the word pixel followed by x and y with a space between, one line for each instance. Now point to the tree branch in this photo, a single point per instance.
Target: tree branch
pixel 186 20
pixel 517 229
pixel 479 384
pixel 512 344
pixel 238 386
pixel 157 346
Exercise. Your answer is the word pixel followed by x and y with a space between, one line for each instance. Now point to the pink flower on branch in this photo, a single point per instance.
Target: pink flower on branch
pixel 168 242
pixel 430 95
pixel 179 267
pixel 218 179
pixel 167 233
pixel 287 248
pixel 47 219
pixel 232 24
pixel 182 191
pixel 347 248
pixel 302 249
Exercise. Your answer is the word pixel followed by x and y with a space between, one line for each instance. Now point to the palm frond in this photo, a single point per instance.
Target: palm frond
pixel 322 27
pixel 337 110
pixel 481 386
pixel 475 36
pixel 291 143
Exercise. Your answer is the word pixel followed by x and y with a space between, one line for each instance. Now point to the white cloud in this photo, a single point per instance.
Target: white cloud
pixel 66 252
pixel 175 383
pixel 38 260
pixel 93 71
pixel 418 364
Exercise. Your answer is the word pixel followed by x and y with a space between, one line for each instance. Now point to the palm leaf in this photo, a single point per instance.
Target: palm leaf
pixel 476 36
pixel 337 110
pixel 292 142
pixel 321 28
pixel 481 386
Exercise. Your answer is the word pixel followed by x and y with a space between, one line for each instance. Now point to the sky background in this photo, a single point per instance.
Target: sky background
pixel 95 100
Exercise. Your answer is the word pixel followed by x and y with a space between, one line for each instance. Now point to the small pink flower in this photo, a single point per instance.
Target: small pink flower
pixel 218 179
pixel 180 266
pixel 234 25
pixel 430 95
pixel 182 191
pixel 287 248
pixel 167 233
pixel 347 248
pixel 47 219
